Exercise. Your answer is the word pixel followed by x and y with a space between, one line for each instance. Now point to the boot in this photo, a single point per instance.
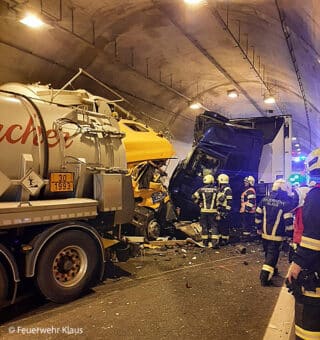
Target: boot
pixel 215 244
pixel 265 282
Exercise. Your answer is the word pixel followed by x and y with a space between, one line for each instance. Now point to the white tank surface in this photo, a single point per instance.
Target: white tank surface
pixel 62 131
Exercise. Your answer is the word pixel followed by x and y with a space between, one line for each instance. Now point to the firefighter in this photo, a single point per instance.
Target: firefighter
pixel 206 197
pixel 224 202
pixel 274 222
pixel 248 206
pixel 304 273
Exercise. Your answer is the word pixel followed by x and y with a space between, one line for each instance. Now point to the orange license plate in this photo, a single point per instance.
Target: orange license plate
pixel 61 181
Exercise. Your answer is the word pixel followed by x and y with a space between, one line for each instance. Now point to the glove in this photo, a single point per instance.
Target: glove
pixel 294 288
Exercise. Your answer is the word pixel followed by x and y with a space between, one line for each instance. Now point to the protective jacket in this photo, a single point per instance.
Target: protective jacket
pixel 206 197
pixel 273 216
pixel 224 200
pixel 248 201
pixel 308 253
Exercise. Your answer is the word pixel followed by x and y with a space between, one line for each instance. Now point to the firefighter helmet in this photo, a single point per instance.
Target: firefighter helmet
pixel 250 180
pixel 313 160
pixel 208 179
pixel 223 179
pixel 280 184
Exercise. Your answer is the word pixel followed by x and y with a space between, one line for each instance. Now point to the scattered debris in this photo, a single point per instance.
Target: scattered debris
pixel 194 258
pixel 241 249
pixel 188 285
pixel 245 263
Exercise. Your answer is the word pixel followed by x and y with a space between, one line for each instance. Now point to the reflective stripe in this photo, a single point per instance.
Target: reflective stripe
pixel 290 227
pixel 224 237
pixel 264 226
pixel 215 237
pixel 251 196
pixel 229 197
pixel 208 210
pixel 259 210
pixel 212 201
pixel 306 335
pixel 312 294
pixel 269 269
pixel 204 237
pixel 276 223
pixel 310 243
pixel 204 200
pixel 287 215
pixel 249 204
pixel 272 237
pixel 257 221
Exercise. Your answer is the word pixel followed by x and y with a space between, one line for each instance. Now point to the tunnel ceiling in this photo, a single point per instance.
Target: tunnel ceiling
pixel 160 55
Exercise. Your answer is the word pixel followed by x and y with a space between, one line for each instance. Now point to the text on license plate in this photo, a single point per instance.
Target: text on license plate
pixel 61 181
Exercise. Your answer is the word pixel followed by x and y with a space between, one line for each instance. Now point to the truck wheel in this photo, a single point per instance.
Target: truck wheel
pixel 4 284
pixel 66 266
pixel 153 230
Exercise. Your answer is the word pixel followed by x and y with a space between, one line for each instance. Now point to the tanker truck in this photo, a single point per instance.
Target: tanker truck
pixel 64 186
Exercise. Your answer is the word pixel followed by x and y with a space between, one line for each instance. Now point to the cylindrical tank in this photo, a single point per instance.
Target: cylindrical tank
pixel 60 130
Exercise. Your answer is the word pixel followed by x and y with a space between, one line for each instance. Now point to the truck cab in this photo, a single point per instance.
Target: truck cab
pixel 258 146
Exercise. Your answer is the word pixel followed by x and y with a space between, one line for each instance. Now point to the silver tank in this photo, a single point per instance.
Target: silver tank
pixel 61 130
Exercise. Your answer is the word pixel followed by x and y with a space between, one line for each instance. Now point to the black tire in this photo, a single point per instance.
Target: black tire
pixel 4 284
pixel 67 266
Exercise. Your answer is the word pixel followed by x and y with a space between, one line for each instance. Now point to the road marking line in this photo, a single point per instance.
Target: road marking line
pixel 282 320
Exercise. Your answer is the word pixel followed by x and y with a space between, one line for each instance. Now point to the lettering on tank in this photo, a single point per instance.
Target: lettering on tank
pixel 16 133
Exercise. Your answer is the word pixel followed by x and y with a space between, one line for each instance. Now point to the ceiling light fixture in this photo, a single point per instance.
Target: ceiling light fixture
pixel 31 20
pixel 268 99
pixel 232 94
pixel 294 138
pixel 193 2
pixel 195 105
pixel 297 145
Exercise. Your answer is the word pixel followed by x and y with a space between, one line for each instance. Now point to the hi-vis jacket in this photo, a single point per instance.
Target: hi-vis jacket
pixel 307 255
pixel 248 201
pixel 206 197
pixel 224 199
pixel 273 216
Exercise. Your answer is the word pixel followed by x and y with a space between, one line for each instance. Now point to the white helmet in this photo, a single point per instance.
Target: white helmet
pixel 223 179
pixel 279 184
pixel 313 160
pixel 250 180
pixel 208 179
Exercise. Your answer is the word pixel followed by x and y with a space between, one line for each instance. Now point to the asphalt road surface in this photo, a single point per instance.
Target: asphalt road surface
pixel 181 292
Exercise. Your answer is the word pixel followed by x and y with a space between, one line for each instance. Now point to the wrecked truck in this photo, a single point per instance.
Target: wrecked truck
pixel 259 146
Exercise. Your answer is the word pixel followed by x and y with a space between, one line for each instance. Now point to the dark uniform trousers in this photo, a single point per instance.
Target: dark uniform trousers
pixel 272 251
pixel 208 222
pixel 307 318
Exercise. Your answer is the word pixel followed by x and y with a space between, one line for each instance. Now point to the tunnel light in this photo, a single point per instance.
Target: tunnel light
pixel 195 105
pixel 31 20
pixel 268 99
pixel 294 138
pixel 193 2
pixel 297 145
pixel 232 94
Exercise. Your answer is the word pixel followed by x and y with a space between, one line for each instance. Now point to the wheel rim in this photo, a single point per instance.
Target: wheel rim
pixel 153 229
pixel 70 266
